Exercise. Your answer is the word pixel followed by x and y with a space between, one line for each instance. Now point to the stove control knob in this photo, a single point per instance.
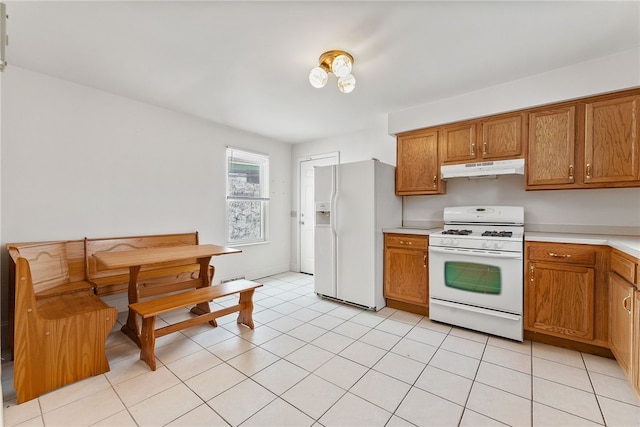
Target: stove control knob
pixel 446 241
pixel 487 244
pixel 499 245
pixel 454 242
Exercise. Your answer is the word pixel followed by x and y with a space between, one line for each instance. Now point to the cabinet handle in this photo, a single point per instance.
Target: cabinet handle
pixel 402 242
pixel 588 170
pixel 570 171
pixel 473 149
pixel 484 148
pixel 531 273
pixel 624 304
pixel 435 178
pixel 555 255
pixel 424 260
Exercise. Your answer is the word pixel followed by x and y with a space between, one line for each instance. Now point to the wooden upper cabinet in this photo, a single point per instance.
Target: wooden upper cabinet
pixel 495 138
pixel 501 138
pixel 592 142
pixel 418 165
pixel 551 147
pixel 612 148
pixel 459 143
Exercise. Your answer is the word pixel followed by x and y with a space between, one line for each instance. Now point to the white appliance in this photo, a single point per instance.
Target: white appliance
pixel 483 169
pixel 353 203
pixel 476 269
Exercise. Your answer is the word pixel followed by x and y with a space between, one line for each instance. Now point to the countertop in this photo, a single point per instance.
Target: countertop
pixel 409 230
pixel 627 244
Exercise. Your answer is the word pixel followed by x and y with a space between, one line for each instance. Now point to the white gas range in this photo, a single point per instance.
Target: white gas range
pixel 476 269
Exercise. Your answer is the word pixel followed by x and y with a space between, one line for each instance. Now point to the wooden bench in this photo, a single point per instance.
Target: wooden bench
pixel 57 268
pixel 60 334
pixel 153 279
pixel 152 308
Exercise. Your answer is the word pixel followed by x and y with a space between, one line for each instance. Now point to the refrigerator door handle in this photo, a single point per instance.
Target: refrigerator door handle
pixel 334 228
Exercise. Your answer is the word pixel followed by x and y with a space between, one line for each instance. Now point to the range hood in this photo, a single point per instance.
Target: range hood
pixel 483 169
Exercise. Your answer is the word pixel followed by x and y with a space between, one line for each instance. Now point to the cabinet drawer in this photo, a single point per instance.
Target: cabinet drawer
pixel 406 241
pixel 625 267
pixel 560 252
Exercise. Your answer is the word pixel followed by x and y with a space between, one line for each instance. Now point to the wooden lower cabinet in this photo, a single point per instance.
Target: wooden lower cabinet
pixel 621 295
pixel 624 335
pixel 635 354
pixel 561 299
pixel 406 272
pixel 566 292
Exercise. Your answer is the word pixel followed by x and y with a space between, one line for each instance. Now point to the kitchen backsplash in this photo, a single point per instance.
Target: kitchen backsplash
pixel 596 211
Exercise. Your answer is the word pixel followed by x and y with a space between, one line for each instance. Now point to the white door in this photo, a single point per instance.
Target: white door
pixel 307 210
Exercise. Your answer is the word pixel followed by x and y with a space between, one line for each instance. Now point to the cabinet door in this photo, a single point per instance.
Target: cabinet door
pixel 459 143
pixel 635 354
pixel 560 299
pixel 611 141
pixel 501 138
pixel 551 152
pixel 418 168
pixel 405 275
pixel 621 320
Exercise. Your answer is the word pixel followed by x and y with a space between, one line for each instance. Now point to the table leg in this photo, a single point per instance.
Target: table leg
pixel 205 280
pixel 131 327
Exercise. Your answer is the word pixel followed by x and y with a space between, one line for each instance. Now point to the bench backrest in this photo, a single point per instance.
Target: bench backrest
pixel 52 263
pixel 96 272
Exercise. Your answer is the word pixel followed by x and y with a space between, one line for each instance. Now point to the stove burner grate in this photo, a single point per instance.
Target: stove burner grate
pixel 457 232
pixel 498 233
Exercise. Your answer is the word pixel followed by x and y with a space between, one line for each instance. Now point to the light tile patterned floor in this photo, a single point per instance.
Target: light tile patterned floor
pixel 311 361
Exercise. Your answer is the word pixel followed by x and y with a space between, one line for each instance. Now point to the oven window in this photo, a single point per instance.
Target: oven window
pixel 472 277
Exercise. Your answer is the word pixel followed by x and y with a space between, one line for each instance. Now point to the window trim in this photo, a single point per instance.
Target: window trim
pixel 263 162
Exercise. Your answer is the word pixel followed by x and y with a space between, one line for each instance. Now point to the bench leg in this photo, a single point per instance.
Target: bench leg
pixel 148 342
pixel 245 315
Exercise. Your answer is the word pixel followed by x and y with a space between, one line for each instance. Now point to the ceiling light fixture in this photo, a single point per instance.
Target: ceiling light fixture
pixel 337 62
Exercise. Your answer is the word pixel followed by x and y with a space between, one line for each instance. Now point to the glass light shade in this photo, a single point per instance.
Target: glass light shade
pixel 347 83
pixel 341 66
pixel 318 77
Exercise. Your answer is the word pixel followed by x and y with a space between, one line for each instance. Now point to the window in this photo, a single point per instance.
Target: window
pixel 247 196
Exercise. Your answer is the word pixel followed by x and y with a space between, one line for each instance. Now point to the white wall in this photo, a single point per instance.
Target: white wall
pixel 79 162
pixel 606 74
pixel 373 142
pixel 610 210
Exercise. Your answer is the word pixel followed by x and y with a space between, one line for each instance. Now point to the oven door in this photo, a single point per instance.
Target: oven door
pixel 487 279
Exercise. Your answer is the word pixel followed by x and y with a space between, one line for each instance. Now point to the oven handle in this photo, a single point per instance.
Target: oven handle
pixel 476 309
pixel 475 252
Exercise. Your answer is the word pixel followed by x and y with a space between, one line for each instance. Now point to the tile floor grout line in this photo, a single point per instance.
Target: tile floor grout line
pixel 593 387
pixel 380 327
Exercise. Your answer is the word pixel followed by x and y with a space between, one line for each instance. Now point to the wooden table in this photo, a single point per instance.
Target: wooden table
pixel 135 259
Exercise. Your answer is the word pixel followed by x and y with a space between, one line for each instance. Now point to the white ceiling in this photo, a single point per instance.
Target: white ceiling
pixel 245 64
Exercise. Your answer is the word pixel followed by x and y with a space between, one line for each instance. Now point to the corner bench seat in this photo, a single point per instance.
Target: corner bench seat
pixel 58 339
pixel 81 286
pixel 152 308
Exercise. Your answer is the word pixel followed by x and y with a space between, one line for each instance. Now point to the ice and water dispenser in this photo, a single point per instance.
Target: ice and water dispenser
pixel 323 214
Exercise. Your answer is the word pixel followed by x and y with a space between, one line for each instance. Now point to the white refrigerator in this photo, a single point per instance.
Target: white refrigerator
pixel 353 203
